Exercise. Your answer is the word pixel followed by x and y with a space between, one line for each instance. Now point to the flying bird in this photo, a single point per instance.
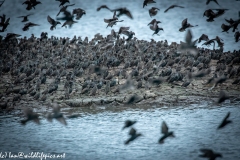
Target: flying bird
pixel 62 2
pixel 153 21
pixel 68 18
pixel 103 6
pixel 29 24
pixel 123 11
pixel 4 25
pixel 173 6
pixel 112 21
pixel 185 25
pixel 203 37
pixel 189 44
pixel 146 2
pixel 64 8
pixel 225 27
pixel 128 123
pixel 52 22
pixel 30 116
pixel 79 13
pixel 225 121
pixel 133 133
pixel 208 1
pixel 129 34
pixel 155 28
pixel 208 153
pixel 25 18
pixel 56 114
pixel 153 11
pixel 237 36
pixel 165 132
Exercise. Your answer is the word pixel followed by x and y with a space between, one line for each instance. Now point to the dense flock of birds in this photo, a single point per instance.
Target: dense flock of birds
pixel 36 67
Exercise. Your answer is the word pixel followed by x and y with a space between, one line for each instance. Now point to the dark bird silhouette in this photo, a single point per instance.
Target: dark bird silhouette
pixel 146 2
pixel 129 34
pixel 62 2
pixel 2 3
pixel 56 115
pixel 30 116
pixel 52 22
pixel 185 25
pixel 153 11
pixel 153 21
pixel 64 8
pixel 208 1
pixel 203 37
pixel 237 36
pixel 128 123
pixel 225 27
pixel 103 6
pixel 133 133
pixel 165 132
pixel 78 12
pixel 155 28
pixel 222 97
pixel 29 4
pixel 208 153
pixel 112 21
pixel 123 11
pixel 121 29
pixel 68 18
pixel 3 18
pixel 225 121
pixel 5 25
pixel 173 6
pixel 34 3
pixel 29 24
pixel 25 18
pixel 210 14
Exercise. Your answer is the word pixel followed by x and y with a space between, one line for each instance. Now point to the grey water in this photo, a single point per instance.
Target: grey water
pixel 97 133
pixel 92 23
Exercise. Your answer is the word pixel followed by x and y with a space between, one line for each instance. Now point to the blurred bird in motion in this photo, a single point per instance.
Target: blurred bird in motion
pixel 128 123
pixel 56 115
pixel 25 18
pixel 29 24
pixel 208 153
pixel 146 2
pixel 133 133
pixel 225 121
pixel 30 116
pixel 173 6
pixel 189 45
pixel 52 22
pixel 165 132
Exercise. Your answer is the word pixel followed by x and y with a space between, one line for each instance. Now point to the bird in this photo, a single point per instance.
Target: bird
pixel 165 133
pixel 29 4
pixel 208 1
pixel 210 14
pixel 173 6
pixel 68 18
pixel 123 11
pixel 25 18
pixel 153 11
pixel 2 3
pixel 34 3
pixel 103 6
pixel 128 123
pixel 208 153
pixel 133 133
pixel 185 25
pixel 156 28
pixel 5 25
pixel 121 29
pixel 153 21
pixel 64 8
pixel 112 21
pixel 29 24
pixel 189 44
pixel 52 22
pixel 225 27
pixel 237 35
pixel 62 2
pixel 203 37
pixel 79 13
pixel 30 116
pixel 56 114
pixel 222 97
pixel 129 34
pixel 225 121
pixel 146 2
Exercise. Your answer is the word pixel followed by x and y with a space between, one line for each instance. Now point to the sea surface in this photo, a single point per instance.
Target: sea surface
pixel 98 134
pixel 92 23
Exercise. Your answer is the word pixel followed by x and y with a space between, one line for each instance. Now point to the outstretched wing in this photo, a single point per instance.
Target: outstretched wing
pixel 164 128
pixel 50 20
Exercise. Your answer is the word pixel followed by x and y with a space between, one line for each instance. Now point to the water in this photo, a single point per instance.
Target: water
pixel 93 23
pixel 97 133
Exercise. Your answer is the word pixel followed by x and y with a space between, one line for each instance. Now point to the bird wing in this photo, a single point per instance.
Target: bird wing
pixel 114 14
pixel 188 38
pixel 184 22
pixel 228 114
pixel 126 33
pixel 167 9
pixel 164 128
pixel 102 6
pixel 107 20
pixel 179 6
pixel 128 13
pixel 50 20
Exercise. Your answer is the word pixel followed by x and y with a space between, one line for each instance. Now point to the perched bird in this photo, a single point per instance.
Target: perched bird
pixel 78 12
pixel 146 2
pixel 133 133
pixel 208 153
pixel 225 121
pixel 128 123
pixel 103 6
pixel 25 18
pixel 173 6
pixel 56 115
pixel 208 1
pixel 153 11
pixel 165 132
pixel 203 37
pixel 237 36
pixel 52 22
pixel 156 28
pixel 29 24
pixel 222 97
pixel 185 25
pixel 64 8
pixel 123 11
pixel 30 116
